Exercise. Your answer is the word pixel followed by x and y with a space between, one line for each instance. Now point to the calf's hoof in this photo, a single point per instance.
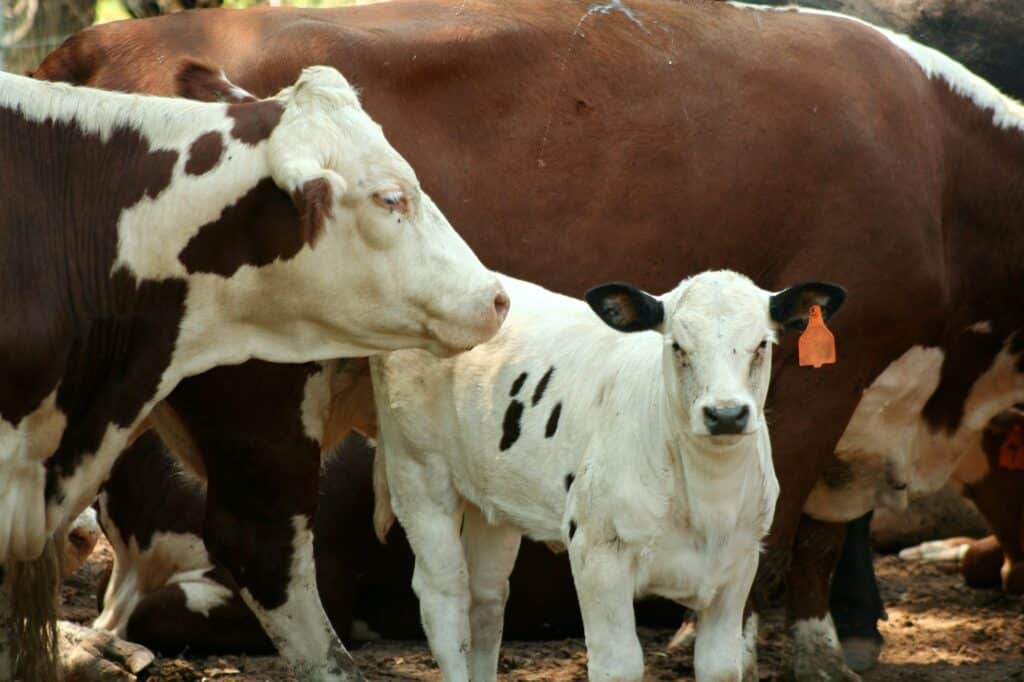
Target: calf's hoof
pixel 861 653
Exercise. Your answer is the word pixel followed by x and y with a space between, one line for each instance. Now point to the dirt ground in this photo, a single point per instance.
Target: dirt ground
pixel 938 629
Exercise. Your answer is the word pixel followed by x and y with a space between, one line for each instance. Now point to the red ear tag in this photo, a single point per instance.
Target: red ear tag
pixel 1011 452
pixel 817 346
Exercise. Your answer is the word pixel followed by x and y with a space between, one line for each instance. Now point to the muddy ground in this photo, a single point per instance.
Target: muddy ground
pixel 938 629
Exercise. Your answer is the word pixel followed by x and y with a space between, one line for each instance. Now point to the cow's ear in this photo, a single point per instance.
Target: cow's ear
pixel 626 308
pixel 199 81
pixel 790 307
pixel 315 191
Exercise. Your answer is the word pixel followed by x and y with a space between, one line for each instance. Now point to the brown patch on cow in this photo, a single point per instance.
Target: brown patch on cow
pixel 138 510
pixel 202 82
pixel 259 228
pixel 205 153
pixel 105 338
pixel 315 202
pixel 262 468
pixel 255 121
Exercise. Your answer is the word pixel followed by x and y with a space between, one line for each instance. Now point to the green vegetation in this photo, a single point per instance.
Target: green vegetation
pixel 112 10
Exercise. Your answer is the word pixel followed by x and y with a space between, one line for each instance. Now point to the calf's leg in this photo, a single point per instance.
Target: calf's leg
pixel 719 650
pixel 431 514
pixel 604 583
pixel 490 556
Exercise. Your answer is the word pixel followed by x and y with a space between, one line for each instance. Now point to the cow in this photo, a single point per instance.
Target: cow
pixel 991 475
pixel 164 591
pixel 637 439
pixel 146 239
pixel 652 138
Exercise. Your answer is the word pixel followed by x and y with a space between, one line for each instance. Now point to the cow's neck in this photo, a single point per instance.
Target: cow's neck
pixel 708 481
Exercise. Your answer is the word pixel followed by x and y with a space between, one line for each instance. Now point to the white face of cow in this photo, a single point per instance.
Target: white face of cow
pixel 392 271
pixel 718 329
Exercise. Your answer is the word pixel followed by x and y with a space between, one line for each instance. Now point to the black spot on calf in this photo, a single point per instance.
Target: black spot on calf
pixel 569 478
pixel 510 428
pixel 542 386
pixel 552 425
pixel 517 384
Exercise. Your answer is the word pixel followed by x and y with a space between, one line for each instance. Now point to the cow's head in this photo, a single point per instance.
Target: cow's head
pixel 718 330
pixel 384 267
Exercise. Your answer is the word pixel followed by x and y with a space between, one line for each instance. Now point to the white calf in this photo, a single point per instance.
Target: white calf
pixel 647 454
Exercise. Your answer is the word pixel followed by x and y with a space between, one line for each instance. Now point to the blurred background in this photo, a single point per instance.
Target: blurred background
pixel 30 29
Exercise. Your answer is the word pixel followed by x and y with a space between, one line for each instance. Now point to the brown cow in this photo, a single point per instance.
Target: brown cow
pixel 144 240
pixel 575 143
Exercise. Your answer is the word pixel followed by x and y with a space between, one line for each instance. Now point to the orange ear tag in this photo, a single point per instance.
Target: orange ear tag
pixel 817 345
pixel 1011 452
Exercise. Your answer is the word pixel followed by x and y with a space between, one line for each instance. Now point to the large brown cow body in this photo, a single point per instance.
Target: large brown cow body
pixel 576 143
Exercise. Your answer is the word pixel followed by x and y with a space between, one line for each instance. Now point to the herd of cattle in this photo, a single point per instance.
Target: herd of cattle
pixel 208 278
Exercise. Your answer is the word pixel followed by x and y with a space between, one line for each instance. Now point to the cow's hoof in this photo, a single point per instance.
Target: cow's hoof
pixel 816 653
pixel 861 653
pixel 89 655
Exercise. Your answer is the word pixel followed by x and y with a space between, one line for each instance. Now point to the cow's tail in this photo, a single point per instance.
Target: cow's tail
pixel 31 593
pixel 383 514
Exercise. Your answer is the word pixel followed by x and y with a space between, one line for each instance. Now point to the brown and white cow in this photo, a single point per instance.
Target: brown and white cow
pixel 991 474
pixel 166 592
pixel 144 240
pixel 650 138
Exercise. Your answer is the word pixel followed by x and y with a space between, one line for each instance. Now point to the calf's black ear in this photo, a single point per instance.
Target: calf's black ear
pixel 790 307
pixel 625 308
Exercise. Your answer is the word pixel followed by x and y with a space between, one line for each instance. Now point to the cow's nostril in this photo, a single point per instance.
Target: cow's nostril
pixel 501 305
pixel 726 420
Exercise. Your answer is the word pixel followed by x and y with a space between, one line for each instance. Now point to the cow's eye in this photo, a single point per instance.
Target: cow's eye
pixel 392 200
pixel 762 345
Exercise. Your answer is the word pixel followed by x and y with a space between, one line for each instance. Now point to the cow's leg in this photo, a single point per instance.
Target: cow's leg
pixel 604 583
pixel 292 617
pixel 816 653
pixel 719 650
pixel 855 602
pixel 431 514
pixel 490 556
pixel 262 459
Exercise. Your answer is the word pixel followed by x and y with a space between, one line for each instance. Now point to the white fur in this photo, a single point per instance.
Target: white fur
pixel 1006 112
pixel 169 558
pixel 980 327
pixel 660 506
pixel 377 280
pixel 202 595
pixel 816 651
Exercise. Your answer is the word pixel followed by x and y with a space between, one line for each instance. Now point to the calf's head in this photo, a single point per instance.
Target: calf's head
pixel 385 267
pixel 718 329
